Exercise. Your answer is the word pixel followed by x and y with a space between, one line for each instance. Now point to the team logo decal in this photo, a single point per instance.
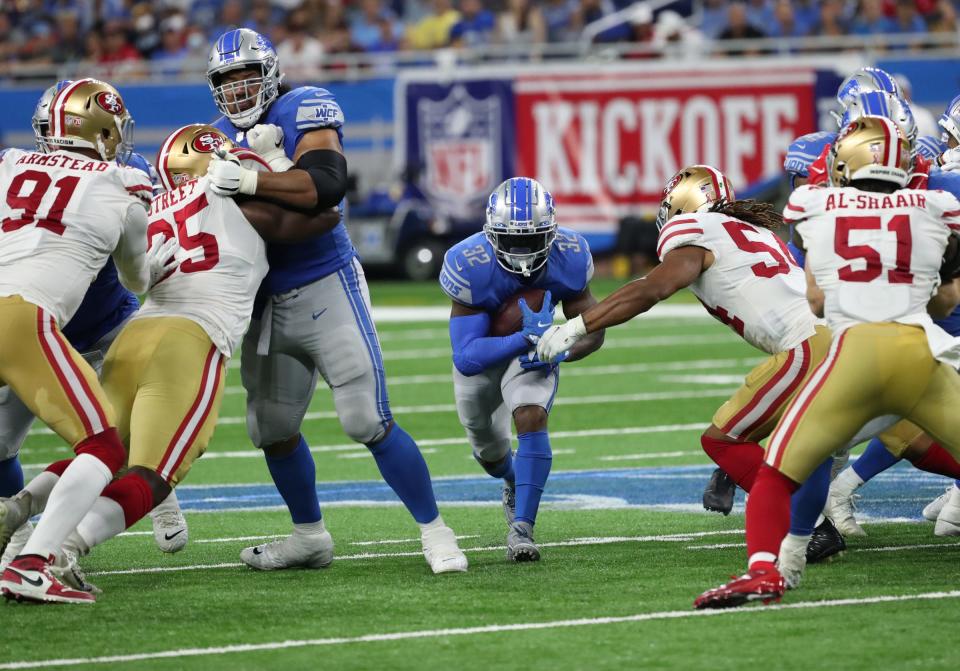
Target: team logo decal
pixel 207 143
pixel 876 149
pixel 671 185
pixel 109 102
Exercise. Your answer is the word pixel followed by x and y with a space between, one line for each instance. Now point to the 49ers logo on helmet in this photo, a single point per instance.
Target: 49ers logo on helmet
pixel 109 102
pixel 671 185
pixel 207 143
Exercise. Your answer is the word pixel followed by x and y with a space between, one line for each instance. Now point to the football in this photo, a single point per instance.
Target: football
pixel 509 318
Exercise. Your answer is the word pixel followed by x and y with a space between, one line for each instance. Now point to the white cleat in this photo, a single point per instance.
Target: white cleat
pixel 14 513
pixel 441 550
pixel 169 526
pixel 948 521
pixel 932 510
pixel 17 541
pixel 299 550
pixel 841 510
pixel 66 569
pixel 793 559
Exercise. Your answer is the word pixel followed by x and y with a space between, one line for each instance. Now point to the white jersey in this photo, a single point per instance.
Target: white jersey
pixel 754 285
pixel 876 256
pixel 61 215
pixel 218 266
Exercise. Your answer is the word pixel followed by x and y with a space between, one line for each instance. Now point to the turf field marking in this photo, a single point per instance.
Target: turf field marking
pixel 650 455
pixel 573 542
pixel 484 629
pixel 365 454
pixel 716 546
pixel 919 546
pixel 701 379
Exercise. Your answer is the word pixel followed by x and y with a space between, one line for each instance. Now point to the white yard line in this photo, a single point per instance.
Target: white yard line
pixel 651 455
pixel 484 629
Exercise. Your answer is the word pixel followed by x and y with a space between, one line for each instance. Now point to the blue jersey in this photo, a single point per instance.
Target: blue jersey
pixel 471 275
pixel 930 147
pixel 801 154
pixel 298 112
pixel 949 182
pixel 107 303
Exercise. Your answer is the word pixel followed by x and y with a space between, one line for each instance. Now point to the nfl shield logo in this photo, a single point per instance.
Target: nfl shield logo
pixel 460 146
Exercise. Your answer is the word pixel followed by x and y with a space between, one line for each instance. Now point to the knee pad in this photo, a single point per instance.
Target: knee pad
pixel 489 450
pixel 361 425
pixel 269 422
pixel 106 447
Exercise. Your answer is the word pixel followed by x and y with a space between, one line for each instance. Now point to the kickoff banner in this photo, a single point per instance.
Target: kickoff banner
pixel 604 138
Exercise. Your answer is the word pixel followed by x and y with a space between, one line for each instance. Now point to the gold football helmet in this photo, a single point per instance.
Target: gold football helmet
pixel 871 147
pixel 90 114
pixel 693 189
pixel 187 152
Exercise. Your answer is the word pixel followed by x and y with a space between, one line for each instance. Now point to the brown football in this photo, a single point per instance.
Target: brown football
pixel 509 318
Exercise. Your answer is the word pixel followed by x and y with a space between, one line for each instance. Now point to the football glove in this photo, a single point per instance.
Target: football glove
pixel 558 340
pixel 267 140
pixel 228 177
pixel 160 259
pixel 530 361
pixel 949 160
pixel 535 323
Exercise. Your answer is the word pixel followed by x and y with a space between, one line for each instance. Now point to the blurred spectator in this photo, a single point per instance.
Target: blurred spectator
pixel 38 43
pixel 784 22
pixel 146 33
pixel 433 30
pixel 334 30
pixel 713 19
pixel 675 37
pixel 173 45
pixel 806 14
pixel 557 15
pixel 521 23
pixel 119 56
pixel 871 19
pixel 367 25
pixel 69 44
pixel 908 19
pixel 641 24
pixel 231 17
pixel 300 54
pixel 739 28
pixel 760 14
pixel 831 22
pixel 475 27
pixel 943 19
pixel 266 20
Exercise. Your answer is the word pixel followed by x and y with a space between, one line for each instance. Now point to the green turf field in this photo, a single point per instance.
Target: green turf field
pixel 624 549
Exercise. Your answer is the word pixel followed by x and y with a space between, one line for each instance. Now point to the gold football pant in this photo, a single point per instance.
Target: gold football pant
pixel 165 378
pixel 754 409
pixel 48 374
pixel 871 370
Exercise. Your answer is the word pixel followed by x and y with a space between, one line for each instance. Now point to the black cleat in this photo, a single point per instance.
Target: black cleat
pixel 825 543
pixel 718 496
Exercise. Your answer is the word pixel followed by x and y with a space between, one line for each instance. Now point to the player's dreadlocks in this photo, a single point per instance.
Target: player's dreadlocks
pixel 751 211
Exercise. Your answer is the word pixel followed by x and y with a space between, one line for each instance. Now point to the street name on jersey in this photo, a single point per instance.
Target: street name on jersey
pixel 169 198
pixel 867 202
pixel 63 161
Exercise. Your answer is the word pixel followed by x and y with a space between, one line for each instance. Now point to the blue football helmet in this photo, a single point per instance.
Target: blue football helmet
pixel 802 152
pixel 950 121
pixel 244 101
pixel 521 225
pixel 877 103
pixel 865 80
pixel 41 115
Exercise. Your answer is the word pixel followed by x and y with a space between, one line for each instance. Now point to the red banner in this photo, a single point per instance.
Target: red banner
pixel 605 144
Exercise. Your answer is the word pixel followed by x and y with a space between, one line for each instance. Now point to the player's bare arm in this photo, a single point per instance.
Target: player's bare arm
pixel 318 178
pixel 577 306
pixel 679 269
pixel 278 224
pixel 945 300
pixel 814 294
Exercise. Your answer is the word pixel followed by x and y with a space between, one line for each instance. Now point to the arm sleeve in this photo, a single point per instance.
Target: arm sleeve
pixel 680 231
pixel 130 254
pixel 474 351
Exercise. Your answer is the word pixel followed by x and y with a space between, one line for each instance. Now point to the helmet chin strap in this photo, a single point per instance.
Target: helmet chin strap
pixel 524 268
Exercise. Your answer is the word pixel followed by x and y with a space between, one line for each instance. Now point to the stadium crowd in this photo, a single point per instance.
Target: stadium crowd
pixel 121 36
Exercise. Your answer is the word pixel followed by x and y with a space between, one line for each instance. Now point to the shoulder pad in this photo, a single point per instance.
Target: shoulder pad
pixel 311 108
pixel 136 182
pixel 680 231
pixel 466 267
pixel 929 147
pixel 575 251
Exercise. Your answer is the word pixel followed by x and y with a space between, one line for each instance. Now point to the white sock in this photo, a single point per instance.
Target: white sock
pixel 309 528
pixel 40 488
pixel 104 521
pixel 847 482
pixel 71 498
pixel 168 504
pixel 430 526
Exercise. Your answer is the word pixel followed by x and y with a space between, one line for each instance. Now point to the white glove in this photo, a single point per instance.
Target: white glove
pixel 228 177
pixel 949 161
pixel 160 261
pixel 559 339
pixel 267 140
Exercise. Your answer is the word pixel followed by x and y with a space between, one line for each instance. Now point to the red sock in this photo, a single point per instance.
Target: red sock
pixel 768 516
pixel 740 461
pixel 134 495
pixel 106 447
pixel 58 467
pixel 938 460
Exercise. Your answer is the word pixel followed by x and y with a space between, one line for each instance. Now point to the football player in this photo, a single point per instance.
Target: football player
pixel 106 306
pixel 164 374
pixel 934 148
pixel 312 318
pixel 64 213
pixel 887 357
pixel 496 378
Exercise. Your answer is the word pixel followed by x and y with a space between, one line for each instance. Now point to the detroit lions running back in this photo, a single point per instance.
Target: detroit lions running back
pixel 312 316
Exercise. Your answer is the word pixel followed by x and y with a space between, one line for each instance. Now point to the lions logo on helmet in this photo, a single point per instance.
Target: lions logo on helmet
pixel 521 225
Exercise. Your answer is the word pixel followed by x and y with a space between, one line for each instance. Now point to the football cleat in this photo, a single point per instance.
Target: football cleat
pixel 509 498
pixel 520 544
pixel 932 510
pixel 15 546
pixel 948 521
pixel 826 542
pixel 718 496
pixel 169 526
pixel 14 513
pixel 66 569
pixel 441 551
pixel 755 585
pixel 840 510
pixel 793 559
pixel 29 578
pixel 295 551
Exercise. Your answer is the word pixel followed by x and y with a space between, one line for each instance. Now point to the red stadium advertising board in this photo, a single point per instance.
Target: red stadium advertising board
pixel 605 144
